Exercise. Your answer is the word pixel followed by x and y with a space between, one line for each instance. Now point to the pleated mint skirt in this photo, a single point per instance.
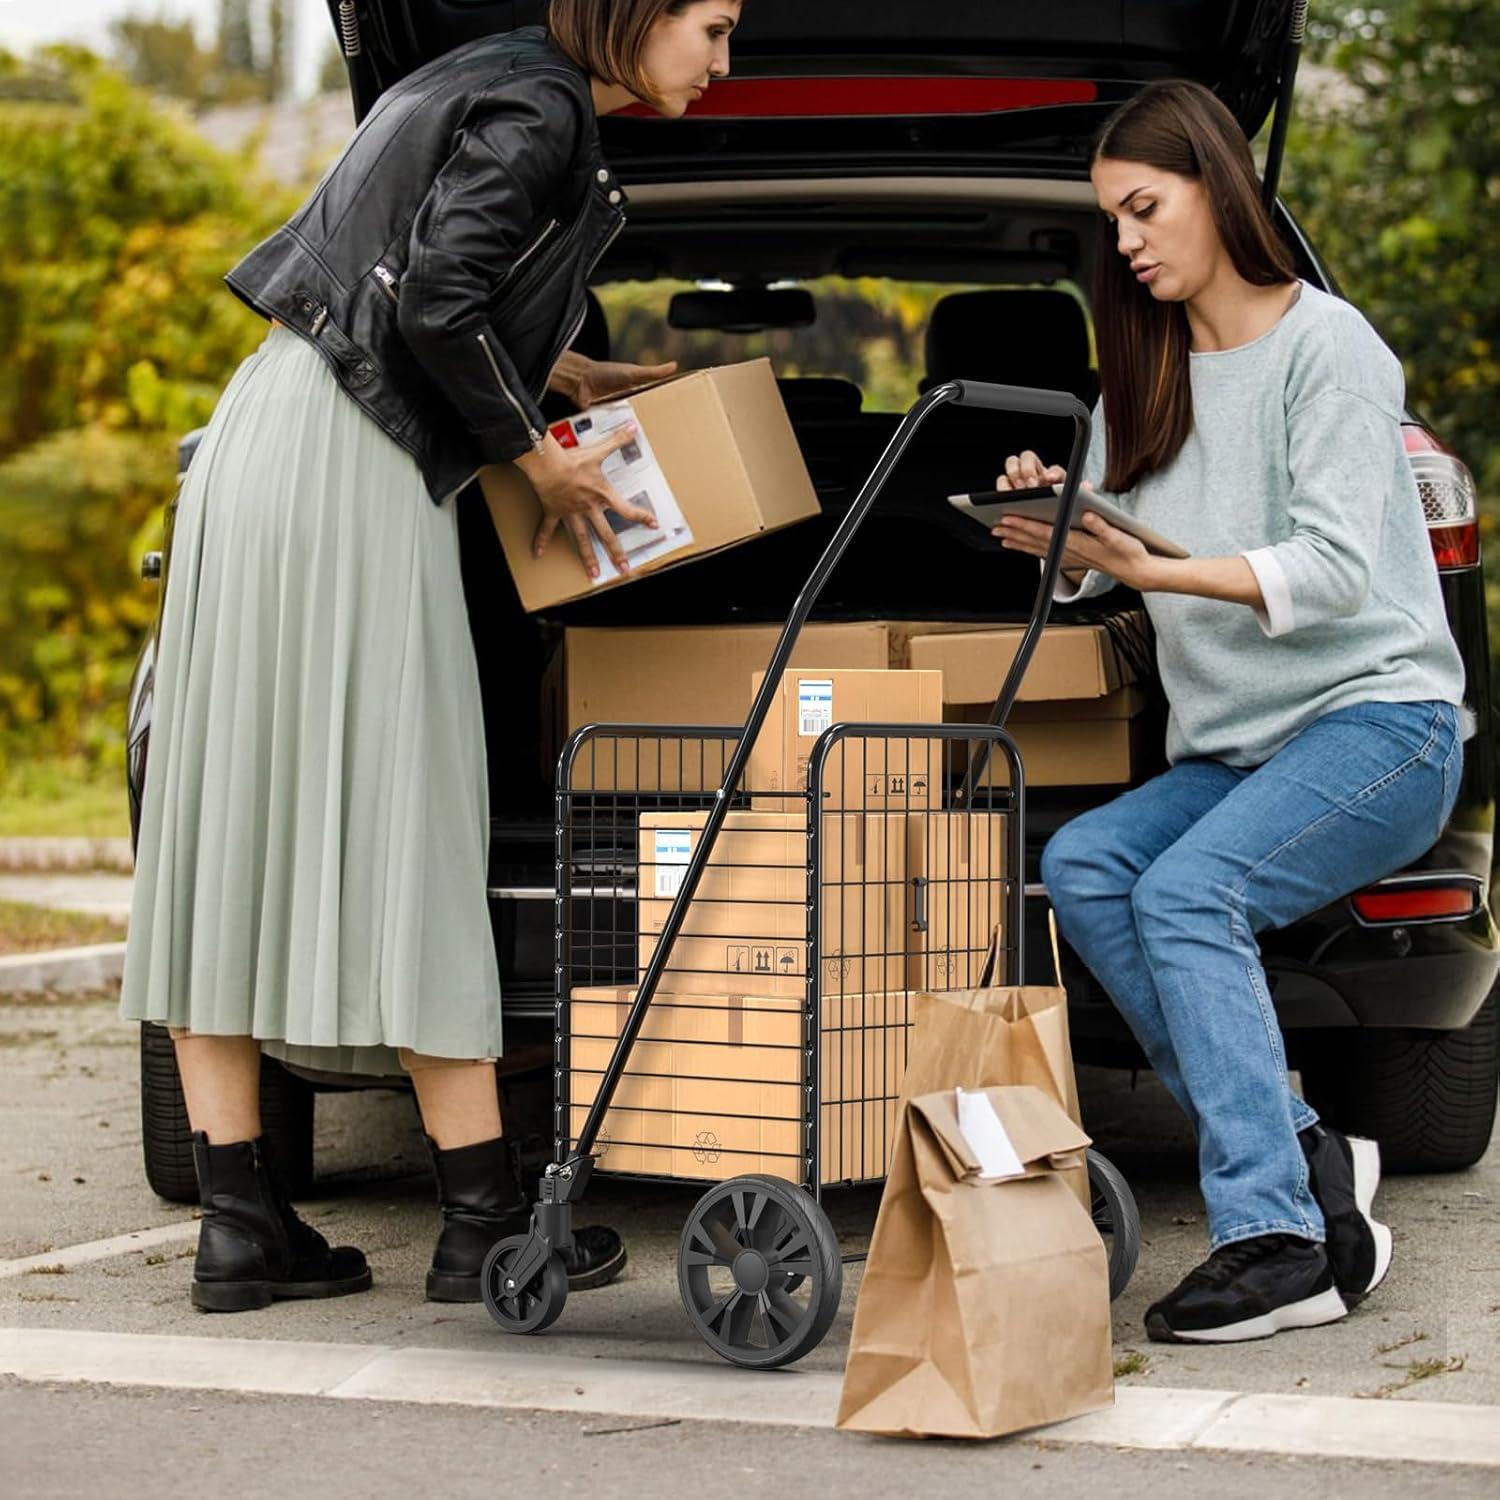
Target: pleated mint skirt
pixel 312 857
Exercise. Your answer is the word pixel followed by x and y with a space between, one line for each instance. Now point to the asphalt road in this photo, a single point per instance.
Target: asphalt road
pixel 80 1441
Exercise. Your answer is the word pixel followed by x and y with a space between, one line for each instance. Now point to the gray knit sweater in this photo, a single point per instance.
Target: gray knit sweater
pixel 1295 463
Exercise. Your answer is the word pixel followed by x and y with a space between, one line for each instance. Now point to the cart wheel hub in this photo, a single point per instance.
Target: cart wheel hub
pixel 751 1273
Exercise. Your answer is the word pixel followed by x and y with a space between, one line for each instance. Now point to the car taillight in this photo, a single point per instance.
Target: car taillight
pixel 1450 501
pixel 1423 899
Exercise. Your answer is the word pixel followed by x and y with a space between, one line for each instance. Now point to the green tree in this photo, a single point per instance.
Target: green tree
pixel 236 36
pixel 164 56
pixel 1396 174
pixel 118 334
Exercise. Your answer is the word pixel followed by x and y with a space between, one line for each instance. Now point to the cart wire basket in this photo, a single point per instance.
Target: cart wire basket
pixel 738 939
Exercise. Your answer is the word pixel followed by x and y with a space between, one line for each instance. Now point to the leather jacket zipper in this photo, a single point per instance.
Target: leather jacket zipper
pixel 537 438
pixel 388 283
pixel 548 230
pixel 572 333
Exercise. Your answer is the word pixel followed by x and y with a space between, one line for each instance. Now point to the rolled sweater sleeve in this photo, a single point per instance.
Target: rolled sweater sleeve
pixel 1340 455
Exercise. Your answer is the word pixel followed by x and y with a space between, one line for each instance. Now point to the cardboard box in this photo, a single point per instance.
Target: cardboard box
pixel 1074 715
pixel 1083 742
pixel 747 925
pixel 895 775
pixel 957 864
pixel 714 1085
pixel 692 674
pixel 715 459
pixel 1070 661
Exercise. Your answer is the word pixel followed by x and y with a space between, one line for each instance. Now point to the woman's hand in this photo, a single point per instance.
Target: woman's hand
pixel 574 492
pixel 586 381
pixel 1025 471
pixel 1099 545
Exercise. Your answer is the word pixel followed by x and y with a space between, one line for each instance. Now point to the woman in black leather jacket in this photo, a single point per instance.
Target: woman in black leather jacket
pixel 310 875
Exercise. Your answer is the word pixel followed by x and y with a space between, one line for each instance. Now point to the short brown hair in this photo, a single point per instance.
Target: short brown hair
pixel 605 37
pixel 1181 127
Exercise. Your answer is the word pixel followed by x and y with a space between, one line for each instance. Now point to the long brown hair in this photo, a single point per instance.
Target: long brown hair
pixel 605 37
pixel 1181 127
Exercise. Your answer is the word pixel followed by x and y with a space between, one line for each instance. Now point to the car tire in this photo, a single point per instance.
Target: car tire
pixel 286 1122
pixel 1428 1097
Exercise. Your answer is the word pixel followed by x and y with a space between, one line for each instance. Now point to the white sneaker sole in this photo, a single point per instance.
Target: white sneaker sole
pixel 1311 1312
pixel 1366 1180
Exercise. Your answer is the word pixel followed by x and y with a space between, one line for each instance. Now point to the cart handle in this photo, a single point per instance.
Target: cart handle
pixel 1048 404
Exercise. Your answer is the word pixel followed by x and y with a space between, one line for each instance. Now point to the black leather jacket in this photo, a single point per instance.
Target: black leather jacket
pixel 440 265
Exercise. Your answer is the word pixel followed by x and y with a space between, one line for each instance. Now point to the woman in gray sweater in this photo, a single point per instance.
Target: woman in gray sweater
pixel 1316 731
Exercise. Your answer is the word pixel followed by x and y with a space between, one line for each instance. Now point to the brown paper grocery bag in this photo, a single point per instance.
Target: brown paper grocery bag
pixel 994 1035
pixel 984 1308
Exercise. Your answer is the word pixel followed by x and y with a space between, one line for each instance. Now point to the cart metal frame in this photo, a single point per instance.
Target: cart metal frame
pixel 523 1280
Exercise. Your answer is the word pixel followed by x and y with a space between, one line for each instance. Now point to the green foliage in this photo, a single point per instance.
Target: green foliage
pixel 119 334
pixel 1395 174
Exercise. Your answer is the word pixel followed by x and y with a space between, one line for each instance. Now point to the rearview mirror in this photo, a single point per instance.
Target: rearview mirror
pixel 743 309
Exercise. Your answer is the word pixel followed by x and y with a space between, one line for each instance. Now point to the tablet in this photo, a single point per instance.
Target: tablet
pixel 989 506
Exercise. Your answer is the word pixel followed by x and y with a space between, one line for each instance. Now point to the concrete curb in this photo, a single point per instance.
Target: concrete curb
pixel 62 971
pixel 512 1377
pixel 53 854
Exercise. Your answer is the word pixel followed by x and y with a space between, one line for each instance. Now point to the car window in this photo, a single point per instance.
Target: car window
pixel 868 330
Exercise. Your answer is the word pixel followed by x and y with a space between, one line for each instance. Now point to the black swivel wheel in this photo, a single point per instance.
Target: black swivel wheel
pixel 760 1272
pixel 1117 1219
pixel 522 1309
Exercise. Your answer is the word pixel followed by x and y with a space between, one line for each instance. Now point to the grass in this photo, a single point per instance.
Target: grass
pixel 62 799
pixel 1131 1362
pixel 36 929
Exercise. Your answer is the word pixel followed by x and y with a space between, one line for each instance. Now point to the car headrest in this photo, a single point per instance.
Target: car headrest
pixel 820 396
pixel 1034 336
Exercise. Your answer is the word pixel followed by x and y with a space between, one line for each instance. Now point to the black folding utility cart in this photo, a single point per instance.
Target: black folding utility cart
pixel 737 939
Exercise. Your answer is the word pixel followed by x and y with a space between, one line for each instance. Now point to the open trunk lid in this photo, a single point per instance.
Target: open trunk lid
pixel 905 83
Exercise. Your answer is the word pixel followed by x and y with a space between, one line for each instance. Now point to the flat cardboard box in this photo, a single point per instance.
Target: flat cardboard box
pixel 714 1085
pixel 716 460
pixel 689 674
pixel 1070 661
pixel 872 775
pixel 1073 719
pixel 959 858
pixel 1083 742
pixel 747 925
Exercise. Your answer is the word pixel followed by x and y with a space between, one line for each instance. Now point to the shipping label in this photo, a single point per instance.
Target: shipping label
pixel 674 848
pixel 638 480
pixel 814 705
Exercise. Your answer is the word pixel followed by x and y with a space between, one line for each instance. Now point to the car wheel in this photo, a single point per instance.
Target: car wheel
pixel 286 1121
pixel 1428 1097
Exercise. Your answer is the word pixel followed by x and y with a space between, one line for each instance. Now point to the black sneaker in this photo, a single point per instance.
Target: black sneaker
pixel 1249 1290
pixel 1343 1172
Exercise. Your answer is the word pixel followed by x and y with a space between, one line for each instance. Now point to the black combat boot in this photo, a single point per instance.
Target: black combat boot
pixel 252 1247
pixel 480 1195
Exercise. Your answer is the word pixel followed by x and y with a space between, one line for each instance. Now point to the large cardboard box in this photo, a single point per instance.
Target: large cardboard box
pixel 747 925
pixel 714 1087
pixel 689 674
pixel 957 863
pixel 1075 715
pixel 892 775
pixel 715 460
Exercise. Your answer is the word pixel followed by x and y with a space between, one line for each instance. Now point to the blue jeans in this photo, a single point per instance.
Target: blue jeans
pixel 1162 891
